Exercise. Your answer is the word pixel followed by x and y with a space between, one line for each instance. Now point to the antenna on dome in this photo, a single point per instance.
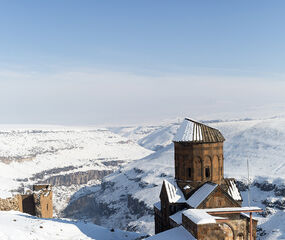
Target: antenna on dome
pixel 248 182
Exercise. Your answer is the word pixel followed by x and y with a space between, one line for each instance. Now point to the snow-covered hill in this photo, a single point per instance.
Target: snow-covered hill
pixel 126 196
pixel 20 226
pixel 69 158
pixel 140 158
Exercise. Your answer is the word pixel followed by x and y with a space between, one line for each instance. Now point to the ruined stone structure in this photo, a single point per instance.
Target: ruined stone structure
pixel 37 202
pixel 200 203
pixel 11 203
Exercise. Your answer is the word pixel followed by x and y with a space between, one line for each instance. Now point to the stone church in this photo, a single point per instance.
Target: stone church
pixel 200 203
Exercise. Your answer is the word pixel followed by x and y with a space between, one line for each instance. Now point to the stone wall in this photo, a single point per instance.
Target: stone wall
pixel 38 203
pixel 192 160
pixel 12 203
pixel 43 201
pixel 211 231
pixel 218 200
pixel 236 228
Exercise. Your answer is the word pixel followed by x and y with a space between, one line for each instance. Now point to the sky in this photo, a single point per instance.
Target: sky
pixel 125 62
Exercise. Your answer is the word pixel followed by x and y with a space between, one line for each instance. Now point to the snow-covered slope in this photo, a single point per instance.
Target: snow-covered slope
pixel 126 196
pixel 69 158
pixel 260 141
pixel 20 226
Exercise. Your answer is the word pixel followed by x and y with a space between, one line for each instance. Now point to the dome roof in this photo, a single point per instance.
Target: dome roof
pixel 192 131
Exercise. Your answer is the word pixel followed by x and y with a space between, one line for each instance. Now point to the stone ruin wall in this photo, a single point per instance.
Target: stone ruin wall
pixel 37 203
pixel 43 204
pixel 11 203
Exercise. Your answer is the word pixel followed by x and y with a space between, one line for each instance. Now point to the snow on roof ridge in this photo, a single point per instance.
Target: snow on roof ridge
pixel 177 217
pixel 233 191
pixel 173 191
pixel 193 131
pixel 157 205
pixel 184 132
pixel 200 216
pixel 201 194
pixel 232 209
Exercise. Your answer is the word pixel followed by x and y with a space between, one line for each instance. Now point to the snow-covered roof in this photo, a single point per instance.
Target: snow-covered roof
pixel 233 209
pixel 173 192
pixel 200 216
pixel 248 216
pixel 157 205
pixel 177 217
pixel 192 131
pixel 178 233
pixel 232 190
pixel 201 194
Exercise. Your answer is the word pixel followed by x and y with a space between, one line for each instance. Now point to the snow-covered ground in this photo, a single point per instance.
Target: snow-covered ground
pixel 68 157
pixel 130 192
pixel 19 226
pixel 141 157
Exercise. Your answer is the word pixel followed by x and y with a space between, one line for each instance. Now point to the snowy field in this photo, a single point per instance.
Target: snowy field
pixel 20 226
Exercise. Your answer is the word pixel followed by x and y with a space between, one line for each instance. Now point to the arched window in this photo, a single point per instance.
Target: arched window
pixel 207 172
pixel 189 172
pixel 229 233
pixel 207 167
pixel 240 236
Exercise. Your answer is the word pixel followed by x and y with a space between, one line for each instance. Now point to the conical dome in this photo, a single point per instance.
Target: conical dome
pixel 192 131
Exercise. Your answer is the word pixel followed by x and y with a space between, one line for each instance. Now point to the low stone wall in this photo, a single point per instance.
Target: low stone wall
pixel 12 203
pixel 43 203
pixel 37 203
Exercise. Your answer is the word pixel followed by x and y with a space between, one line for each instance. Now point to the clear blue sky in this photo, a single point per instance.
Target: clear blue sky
pixel 96 62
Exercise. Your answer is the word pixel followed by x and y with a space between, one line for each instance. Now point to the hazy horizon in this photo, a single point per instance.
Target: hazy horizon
pixel 104 63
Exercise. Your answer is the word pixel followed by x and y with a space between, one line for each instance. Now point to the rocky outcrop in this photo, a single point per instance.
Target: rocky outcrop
pixel 93 207
pixel 271 204
pixel 35 152
pixel 280 191
pixel 88 207
pixel 42 174
pixel 8 160
pixel 76 178
pixel 265 186
pixel 138 208
pixel 112 163
pixel 279 204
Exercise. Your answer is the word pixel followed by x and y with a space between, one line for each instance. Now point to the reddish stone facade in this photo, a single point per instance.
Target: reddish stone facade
pixel 218 199
pixel 197 163
pixel 199 171
pixel 235 228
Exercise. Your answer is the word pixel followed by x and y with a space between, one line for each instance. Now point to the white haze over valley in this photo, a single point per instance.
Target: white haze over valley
pixel 112 175
pixel 87 96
